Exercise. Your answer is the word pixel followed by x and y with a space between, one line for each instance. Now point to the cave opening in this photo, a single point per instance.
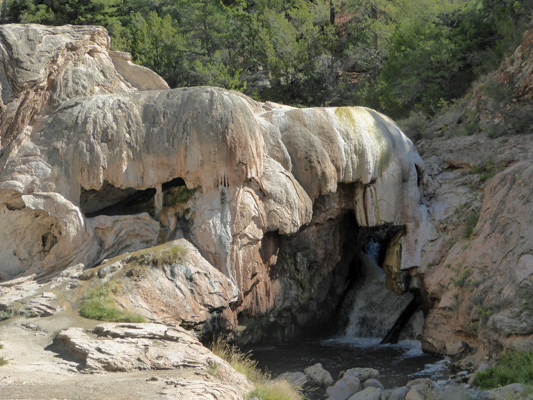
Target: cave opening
pixel 350 311
pixel 111 200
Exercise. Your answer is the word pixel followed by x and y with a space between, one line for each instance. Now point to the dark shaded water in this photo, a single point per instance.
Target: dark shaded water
pixel 397 364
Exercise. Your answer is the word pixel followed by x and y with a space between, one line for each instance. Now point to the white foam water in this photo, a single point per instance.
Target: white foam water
pixel 375 309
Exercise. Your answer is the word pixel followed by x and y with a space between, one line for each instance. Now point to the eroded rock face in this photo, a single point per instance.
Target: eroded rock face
pixel 265 192
pixel 172 283
pixel 478 282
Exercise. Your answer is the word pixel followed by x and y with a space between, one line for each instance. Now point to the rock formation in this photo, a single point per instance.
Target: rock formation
pixel 272 204
pixel 479 275
pixel 479 282
pixel 272 196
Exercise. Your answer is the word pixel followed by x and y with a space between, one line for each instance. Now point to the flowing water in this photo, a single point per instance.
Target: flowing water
pixel 374 310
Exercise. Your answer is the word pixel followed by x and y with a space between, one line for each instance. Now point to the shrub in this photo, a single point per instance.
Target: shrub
pixel 514 367
pixel 414 126
pixel 5 314
pixel 164 256
pixel 98 304
pixel 470 223
pixel 462 280
pixel 3 361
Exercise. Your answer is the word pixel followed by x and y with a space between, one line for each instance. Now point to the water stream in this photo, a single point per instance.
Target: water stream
pixel 374 310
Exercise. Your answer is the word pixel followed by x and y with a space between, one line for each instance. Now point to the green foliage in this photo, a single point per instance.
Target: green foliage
pixel 514 367
pixel 399 56
pixel 5 314
pixel 498 91
pixel 487 170
pixel 471 220
pixel 462 280
pixel 415 125
pixel 485 313
pixel 3 361
pixel 98 304
pixel 163 256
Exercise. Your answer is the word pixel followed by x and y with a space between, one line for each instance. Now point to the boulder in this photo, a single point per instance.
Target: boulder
pixel 454 392
pixel 345 387
pixel 399 393
pixel 373 382
pixel 362 374
pixel 370 393
pixel 318 376
pixel 514 390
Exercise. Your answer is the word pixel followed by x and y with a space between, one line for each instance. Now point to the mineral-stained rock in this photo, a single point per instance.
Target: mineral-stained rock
pixel 272 196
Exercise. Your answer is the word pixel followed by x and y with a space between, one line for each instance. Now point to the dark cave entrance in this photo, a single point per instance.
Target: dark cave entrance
pixel 327 280
pixel 112 200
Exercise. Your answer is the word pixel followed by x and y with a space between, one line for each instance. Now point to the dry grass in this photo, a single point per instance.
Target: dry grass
pixel 276 390
pixel 265 389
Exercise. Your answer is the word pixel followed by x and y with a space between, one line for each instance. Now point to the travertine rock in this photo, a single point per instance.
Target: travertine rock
pixel 183 288
pixel 90 171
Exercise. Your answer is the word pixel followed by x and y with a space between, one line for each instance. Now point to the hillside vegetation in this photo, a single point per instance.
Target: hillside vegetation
pixel 398 56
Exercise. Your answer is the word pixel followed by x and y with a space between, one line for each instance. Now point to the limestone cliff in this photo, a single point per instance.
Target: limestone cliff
pixel 272 196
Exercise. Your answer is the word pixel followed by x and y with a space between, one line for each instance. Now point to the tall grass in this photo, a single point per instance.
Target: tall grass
pixel 514 367
pixel 265 389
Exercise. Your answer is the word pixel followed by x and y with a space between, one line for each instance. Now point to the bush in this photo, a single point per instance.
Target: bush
pixel 98 304
pixel 5 314
pixel 414 126
pixel 164 256
pixel 470 223
pixel 514 367
pixel 3 361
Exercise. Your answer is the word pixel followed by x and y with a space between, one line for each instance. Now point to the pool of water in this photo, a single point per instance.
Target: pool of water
pixel 397 363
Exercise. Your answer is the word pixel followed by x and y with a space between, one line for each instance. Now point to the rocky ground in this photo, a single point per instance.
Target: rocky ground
pixel 49 359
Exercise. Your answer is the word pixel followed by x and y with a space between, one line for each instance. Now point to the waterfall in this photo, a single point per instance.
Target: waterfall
pixel 375 309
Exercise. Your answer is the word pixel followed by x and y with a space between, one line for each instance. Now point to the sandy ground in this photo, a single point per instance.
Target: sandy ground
pixel 35 371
